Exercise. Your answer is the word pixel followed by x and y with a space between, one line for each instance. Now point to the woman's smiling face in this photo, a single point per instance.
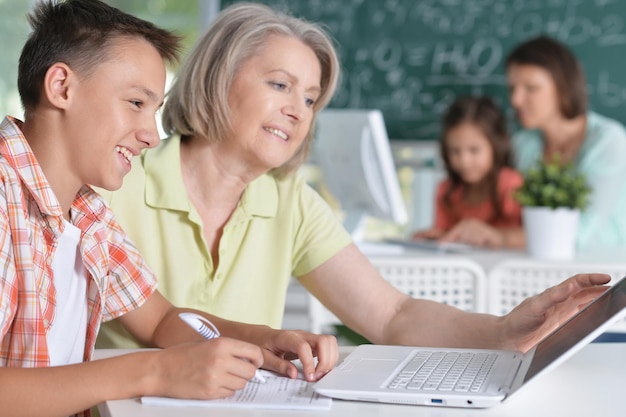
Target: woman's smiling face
pixel 271 102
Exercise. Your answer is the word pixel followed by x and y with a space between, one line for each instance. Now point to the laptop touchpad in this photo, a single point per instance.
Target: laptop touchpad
pixel 370 367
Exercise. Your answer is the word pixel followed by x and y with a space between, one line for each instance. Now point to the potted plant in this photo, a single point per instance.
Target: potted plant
pixel 552 196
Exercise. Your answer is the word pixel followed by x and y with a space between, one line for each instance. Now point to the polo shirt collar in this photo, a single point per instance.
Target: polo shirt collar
pixel 165 187
pixel 261 197
pixel 164 180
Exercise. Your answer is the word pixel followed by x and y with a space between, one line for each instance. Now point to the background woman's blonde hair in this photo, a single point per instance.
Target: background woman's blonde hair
pixel 198 100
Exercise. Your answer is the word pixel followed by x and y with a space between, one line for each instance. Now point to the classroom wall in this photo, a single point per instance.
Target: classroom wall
pixel 410 58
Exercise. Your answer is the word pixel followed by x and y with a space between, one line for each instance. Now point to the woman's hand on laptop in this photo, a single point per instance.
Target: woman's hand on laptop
pixel 286 345
pixel 538 316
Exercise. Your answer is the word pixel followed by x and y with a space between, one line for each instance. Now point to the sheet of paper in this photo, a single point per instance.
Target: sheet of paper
pixel 278 392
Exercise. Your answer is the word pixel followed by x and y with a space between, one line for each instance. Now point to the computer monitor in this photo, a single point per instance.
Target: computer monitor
pixel 352 149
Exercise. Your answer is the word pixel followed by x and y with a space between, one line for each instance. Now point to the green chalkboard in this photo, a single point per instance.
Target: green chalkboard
pixel 410 58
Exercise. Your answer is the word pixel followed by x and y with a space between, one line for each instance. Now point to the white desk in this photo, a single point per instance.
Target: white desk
pixel 591 383
pixel 488 258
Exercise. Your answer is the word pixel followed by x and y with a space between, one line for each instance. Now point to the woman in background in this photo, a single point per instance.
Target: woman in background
pixel 222 215
pixel 548 94
pixel 475 204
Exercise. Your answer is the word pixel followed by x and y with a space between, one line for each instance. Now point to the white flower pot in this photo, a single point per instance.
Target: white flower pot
pixel 550 233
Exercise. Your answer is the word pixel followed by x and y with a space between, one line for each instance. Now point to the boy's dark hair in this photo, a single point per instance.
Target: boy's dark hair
pixel 560 62
pixel 79 33
pixel 483 113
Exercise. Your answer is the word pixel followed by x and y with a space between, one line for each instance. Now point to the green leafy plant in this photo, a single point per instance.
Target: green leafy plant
pixel 553 184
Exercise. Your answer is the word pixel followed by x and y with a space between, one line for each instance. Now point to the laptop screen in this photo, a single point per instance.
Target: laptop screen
pixel 607 305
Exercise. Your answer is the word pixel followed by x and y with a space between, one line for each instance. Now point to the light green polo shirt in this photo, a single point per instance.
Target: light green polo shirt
pixel 281 228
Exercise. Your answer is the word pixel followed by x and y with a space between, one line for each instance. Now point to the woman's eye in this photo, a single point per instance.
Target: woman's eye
pixel 279 86
pixel 136 103
pixel 309 102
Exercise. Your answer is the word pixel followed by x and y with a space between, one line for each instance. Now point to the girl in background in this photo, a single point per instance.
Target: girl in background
pixel 475 204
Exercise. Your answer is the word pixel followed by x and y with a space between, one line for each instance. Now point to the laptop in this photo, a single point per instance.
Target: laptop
pixel 411 375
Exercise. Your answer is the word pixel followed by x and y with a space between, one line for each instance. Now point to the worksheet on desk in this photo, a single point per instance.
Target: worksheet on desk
pixel 277 392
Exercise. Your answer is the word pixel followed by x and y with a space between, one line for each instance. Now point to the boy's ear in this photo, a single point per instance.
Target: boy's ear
pixel 57 84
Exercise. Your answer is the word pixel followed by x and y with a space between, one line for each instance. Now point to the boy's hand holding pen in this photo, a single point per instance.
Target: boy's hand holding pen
pixel 208 330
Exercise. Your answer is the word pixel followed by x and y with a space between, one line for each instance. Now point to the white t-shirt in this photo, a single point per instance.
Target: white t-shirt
pixel 66 337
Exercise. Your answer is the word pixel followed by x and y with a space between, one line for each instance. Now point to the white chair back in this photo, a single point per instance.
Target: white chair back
pixel 455 281
pixel 513 280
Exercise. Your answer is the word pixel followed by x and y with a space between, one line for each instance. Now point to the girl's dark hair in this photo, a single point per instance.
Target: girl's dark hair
pixel 483 113
pixel 79 33
pixel 564 68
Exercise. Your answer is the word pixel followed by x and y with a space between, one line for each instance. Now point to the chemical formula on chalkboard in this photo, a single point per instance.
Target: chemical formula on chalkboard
pixel 411 58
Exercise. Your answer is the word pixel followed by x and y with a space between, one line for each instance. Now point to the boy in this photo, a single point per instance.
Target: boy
pixel 91 79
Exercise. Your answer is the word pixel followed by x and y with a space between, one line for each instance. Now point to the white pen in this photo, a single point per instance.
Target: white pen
pixel 204 327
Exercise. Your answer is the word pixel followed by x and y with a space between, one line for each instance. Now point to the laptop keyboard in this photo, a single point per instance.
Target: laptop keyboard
pixel 445 371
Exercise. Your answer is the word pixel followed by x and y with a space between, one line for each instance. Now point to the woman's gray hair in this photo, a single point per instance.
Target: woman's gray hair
pixel 198 100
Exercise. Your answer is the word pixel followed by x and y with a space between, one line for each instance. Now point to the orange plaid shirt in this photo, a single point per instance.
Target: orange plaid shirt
pixel 32 221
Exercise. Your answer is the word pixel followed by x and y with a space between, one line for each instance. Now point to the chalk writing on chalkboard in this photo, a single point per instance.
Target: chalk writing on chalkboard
pixel 411 58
